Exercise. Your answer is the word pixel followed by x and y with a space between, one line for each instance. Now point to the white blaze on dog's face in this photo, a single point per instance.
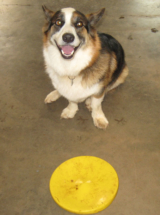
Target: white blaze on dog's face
pixel 66 38
pixel 68 31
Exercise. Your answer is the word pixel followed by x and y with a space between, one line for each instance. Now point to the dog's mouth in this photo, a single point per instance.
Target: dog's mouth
pixel 67 51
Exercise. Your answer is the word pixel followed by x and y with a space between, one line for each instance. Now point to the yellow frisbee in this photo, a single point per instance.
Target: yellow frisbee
pixel 84 185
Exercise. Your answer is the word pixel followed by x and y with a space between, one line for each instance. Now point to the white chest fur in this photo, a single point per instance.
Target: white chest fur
pixel 60 71
pixel 71 90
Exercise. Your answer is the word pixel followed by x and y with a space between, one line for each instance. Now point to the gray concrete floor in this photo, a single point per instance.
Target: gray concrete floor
pixel 33 139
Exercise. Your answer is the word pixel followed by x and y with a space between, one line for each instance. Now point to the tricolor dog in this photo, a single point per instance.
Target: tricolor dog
pixel 83 65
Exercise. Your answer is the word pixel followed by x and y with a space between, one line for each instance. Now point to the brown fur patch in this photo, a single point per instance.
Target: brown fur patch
pixel 108 75
pixel 99 70
pixel 45 35
pixel 96 47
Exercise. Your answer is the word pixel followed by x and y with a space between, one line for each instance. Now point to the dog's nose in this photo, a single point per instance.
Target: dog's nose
pixel 68 38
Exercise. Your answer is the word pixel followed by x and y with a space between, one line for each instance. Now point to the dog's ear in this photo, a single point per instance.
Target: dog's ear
pixel 48 13
pixel 93 18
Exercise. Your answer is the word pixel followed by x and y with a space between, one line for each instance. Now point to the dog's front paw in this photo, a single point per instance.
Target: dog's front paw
pixel 68 113
pixel 51 97
pixel 101 122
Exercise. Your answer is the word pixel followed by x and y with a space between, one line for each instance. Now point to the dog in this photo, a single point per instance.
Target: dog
pixel 83 64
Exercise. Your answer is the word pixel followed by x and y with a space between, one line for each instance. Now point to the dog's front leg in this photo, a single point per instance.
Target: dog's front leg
pixel 98 116
pixel 51 97
pixel 70 110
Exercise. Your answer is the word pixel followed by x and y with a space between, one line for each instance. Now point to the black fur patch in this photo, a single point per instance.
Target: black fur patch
pixel 110 44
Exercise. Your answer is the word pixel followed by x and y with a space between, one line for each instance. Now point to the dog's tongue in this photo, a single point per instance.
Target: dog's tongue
pixel 67 49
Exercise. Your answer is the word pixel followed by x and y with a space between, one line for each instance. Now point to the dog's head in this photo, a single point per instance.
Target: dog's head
pixel 69 29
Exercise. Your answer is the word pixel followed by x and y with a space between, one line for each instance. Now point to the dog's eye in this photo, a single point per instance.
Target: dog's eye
pixel 59 23
pixel 79 24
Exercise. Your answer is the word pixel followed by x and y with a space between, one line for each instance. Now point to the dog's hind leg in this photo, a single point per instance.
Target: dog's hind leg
pixel 51 97
pixel 70 110
pixel 88 103
pixel 120 79
pixel 98 116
